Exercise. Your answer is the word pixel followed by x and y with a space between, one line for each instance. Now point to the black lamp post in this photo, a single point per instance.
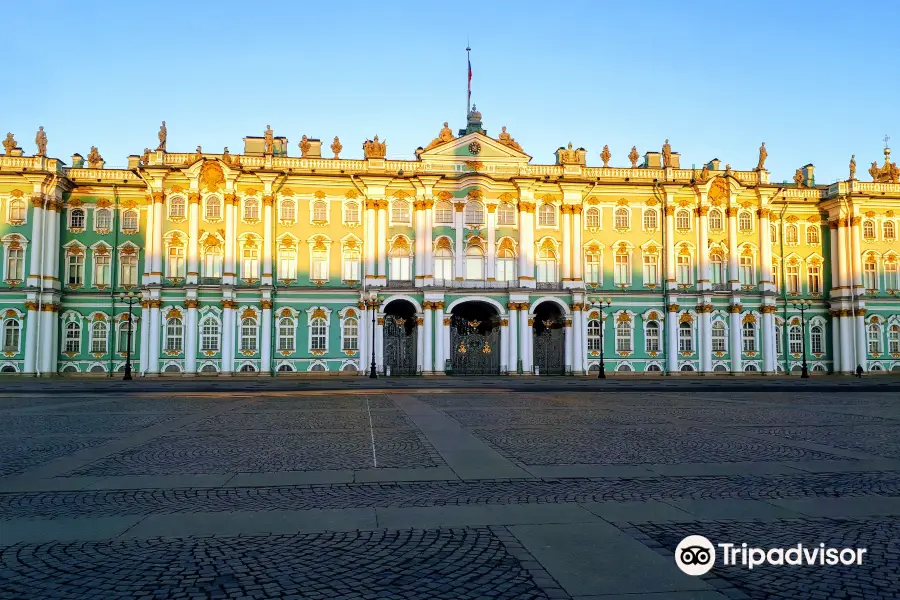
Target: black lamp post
pixel 373 304
pixel 803 306
pixel 602 302
pixel 130 299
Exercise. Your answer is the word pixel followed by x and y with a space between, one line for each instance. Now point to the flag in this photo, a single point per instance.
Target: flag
pixel 470 78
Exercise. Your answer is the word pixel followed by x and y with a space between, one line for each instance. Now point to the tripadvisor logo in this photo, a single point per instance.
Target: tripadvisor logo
pixel 696 555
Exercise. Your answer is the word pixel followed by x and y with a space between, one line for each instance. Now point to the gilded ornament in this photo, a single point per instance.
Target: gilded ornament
pixel 605 156
pixel 95 161
pixel 633 156
pixel 570 156
pixel 374 148
pixel 798 178
pixel 474 149
pixel 888 173
pixel 336 147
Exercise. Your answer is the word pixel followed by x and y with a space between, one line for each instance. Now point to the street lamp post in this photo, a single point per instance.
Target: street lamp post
pixel 803 306
pixel 373 304
pixel 130 299
pixel 602 302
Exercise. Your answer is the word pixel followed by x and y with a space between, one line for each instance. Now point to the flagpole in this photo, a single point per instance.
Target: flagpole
pixel 469 77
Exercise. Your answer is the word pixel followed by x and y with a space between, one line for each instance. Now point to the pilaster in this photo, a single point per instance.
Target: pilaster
pixel 512 357
pixel 672 338
pixel 734 331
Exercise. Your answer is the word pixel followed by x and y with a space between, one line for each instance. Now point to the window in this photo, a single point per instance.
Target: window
pixel 101 270
pixel 790 234
pixel 319 211
pixel 102 219
pixel 506 265
pixel 209 335
pixel 175 264
pixel 684 273
pixel 746 271
pixel 778 343
pixel 16 211
pixel 812 235
pixel 592 218
pixel 592 272
pixel 869 229
pixel 653 369
pixel 212 263
pixel 621 218
pixel 748 335
pixel 683 220
pixel 289 211
pixel 350 269
pixel 817 339
pixel 122 342
pixel 251 209
pixel 400 263
pixel 318 334
pixel 894 339
pixel 176 207
pixel 443 264
pixel 651 220
pixel 622 271
pixel 15 264
pixel 213 208
pixel 651 337
pixel 98 337
pixel 751 368
pixel 318 270
pixel 351 212
pixel 685 338
pixel 745 222
pixel 248 335
pixel 174 335
pixel 75 269
pixel 443 213
pixel 128 266
pixel 623 336
pixel 250 263
pixel 506 214
pixel 717 267
pixel 76 218
pixel 888 230
pixel 474 263
pixel 474 213
pixel 593 335
pixel 351 334
pixel 11 331
pixel 715 219
pixel 874 336
pixel 795 339
pixel 546 265
pixel 870 274
pixel 651 269
pixel 776 274
pixel 773 234
pixel 718 337
pixel 400 211
pixel 792 274
pixel 286 329
pixel 73 338
pixel 547 215
pixel 890 276
pixel 814 278
pixel 287 264
pixel 130 220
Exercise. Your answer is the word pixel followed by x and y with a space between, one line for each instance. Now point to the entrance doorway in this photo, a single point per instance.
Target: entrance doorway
pixel 475 339
pixel 400 334
pixel 549 337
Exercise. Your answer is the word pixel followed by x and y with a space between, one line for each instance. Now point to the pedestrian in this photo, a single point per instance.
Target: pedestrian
pixel 859 371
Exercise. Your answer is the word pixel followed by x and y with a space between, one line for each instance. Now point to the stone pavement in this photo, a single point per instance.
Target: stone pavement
pixel 471 489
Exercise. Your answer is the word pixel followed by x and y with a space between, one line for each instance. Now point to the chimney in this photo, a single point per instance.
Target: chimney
pixel 77 161
pixel 134 161
pixel 652 160
pixel 713 165
pixel 809 175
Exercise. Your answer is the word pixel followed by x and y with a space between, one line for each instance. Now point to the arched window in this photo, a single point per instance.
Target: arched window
pixel 247 368
pixel 888 230
pixel 874 337
pixel 894 339
pixel 318 334
pixel 16 211
pixel 286 332
pixel 715 219
pixel 685 338
pixel 76 218
pixel 318 368
pixel 443 263
pixel 592 272
pixel 474 213
pixel 174 334
pixel 817 339
pixel 249 330
pixel 318 269
pixel 400 211
pixel 400 263
pixel 773 233
pixel 506 265
pixel 351 212
pixel 654 368
pixel 349 368
pixel 15 264
pixel 623 368
pixel 622 268
pixel 285 368
pixel 651 219
pixel 651 337
pixel 745 221
pixel 102 219
pixel 175 263
pixel 474 263
pixel 746 272
pixel 443 213
pixel 790 234
pixel 11 331
pixel 122 342
pixel 212 262
pixel 621 218
pixel 251 209
pixel 623 336
pixel 718 337
pixel 751 368
pixel 795 339
pixel 593 335
pixel 176 207
pixel 683 220
pixel 717 267
pixel 288 210
pixel 209 335
pixel 687 368
pixel 869 229
pixel 320 211
pixel 812 235
pixel 748 335
pixel 546 265
pixel 547 215
pixel 592 218
pixel 350 339
pixel 213 208
pixel 130 220
pixel 506 214
pixel 350 270
pixel 73 338
pixel 870 273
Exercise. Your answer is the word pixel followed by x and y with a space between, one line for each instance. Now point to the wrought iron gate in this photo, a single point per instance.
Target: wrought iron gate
pixel 549 342
pixel 400 345
pixel 475 346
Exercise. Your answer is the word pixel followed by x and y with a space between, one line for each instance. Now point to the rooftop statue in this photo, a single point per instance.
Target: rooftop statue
pixel 9 144
pixel 888 173
pixel 145 157
pixel 853 167
pixel 95 161
pixel 445 135
pixel 508 140
pixel 270 140
pixel 40 139
pixel 374 148
pixel 798 178
pixel 304 146
pixel 162 135
pixel 762 157
pixel 667 155
pixel 704 174
pixel 570 156
pixel 605 156
pixel 336 147
pixel 633 156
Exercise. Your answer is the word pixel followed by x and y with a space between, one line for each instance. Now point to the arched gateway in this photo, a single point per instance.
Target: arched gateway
pixel 549 339
pixel 400 335
pixel 475 339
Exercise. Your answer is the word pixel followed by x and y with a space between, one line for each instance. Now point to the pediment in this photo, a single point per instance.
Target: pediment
pixel 489 150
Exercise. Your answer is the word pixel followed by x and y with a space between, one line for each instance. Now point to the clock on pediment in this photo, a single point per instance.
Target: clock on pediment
pixel 475 148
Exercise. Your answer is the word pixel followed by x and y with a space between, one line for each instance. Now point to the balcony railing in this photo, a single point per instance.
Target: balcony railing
pixel 210 281
pixel 474 284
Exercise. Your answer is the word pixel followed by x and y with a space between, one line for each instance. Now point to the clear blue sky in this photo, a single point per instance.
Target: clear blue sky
pixel 817 81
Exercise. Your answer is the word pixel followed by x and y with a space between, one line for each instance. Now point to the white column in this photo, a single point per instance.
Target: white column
pixel 460 253
pixel 672 339
pixel 670 247
pixel 843 274
pixel 836 341
pixel 51 241
pixel 734 331
pixel 703 251
pixel 192 334
pixel 582 339
pixel 379 342
pixel 767 332
pixel 504 344
pixel 229 273
pixel 365 348
pixel 570 341
pixel 859 323
pixel 31 329
pixel 765 254
pixel 144 350
pixel 268 234
pixel 440 349
pixel 577 335
pixel 524 338
pixel 577 260
pixel 512 357
pixel 382 240
pixel 265 351
pixel 566 243
pixel 848 355
pixel 49 327
pixel 705 345
pixel 420 343
pixel 158 206
pixel 856 253
pixel 491 257
pixel 420 266
pixel 369 242
pixel 227 336
pixel 733 277
pixel 154 338
pixel 37 243
pixel 193 248
pixel 428 337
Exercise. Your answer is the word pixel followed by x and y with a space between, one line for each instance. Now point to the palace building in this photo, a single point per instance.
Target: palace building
pixel 465 259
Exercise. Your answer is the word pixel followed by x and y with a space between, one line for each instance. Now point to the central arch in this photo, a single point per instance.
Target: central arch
pixel 549 339
pixel 399 338
pixel 475 339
